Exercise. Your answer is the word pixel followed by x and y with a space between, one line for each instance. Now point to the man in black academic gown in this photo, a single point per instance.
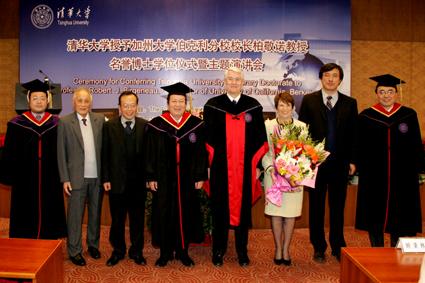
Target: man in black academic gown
pixel 29 166
pixel 122 177
pixel 237 140
pixel 176 166
pixel 390 159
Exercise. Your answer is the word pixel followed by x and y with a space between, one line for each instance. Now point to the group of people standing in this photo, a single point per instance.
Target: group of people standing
pixel 174 154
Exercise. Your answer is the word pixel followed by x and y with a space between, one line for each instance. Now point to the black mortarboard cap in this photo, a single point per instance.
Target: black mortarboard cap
pixel 387 80
pixel 177 88
pixel 36 85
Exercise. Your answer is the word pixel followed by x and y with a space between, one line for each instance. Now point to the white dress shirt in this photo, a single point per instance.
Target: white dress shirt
pixel 90 165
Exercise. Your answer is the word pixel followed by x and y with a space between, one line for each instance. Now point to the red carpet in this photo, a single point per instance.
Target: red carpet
pixel 261 269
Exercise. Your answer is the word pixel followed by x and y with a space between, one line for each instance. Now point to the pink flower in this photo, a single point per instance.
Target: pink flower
pixel 292 169
pixel 280 163
pixel 297 157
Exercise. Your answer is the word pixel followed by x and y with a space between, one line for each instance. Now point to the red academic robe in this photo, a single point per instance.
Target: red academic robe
pixel 236 138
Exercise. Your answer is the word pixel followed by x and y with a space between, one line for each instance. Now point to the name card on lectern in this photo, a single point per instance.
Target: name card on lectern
pixel 411 244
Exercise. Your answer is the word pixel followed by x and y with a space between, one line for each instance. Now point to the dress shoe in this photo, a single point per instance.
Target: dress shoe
pixel 277 261
pixel 78 260
pixel 286 262
pixel 186 260
pixel 319 257
pixel 161 261
pixel 217 259
pixel 94 252
pixel 138 259
pixel 114 259
pixel 243 260
pixel 337 255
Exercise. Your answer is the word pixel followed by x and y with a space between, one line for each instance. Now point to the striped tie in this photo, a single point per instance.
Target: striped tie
pixel 328 102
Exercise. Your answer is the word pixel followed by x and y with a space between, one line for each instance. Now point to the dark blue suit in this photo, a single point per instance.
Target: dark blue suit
pixel 122 166
pixel 333 173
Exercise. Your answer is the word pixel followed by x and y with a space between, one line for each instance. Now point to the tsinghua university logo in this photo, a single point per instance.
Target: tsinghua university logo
pixel 73 16
pixel 42 16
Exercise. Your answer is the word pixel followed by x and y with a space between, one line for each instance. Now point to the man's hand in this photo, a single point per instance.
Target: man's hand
pixel 153 185
pixel 107 186
pixel 198 185
pixel 67 188
pixel 352 169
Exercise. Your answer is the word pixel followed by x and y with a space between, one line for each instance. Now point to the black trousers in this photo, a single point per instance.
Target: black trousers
pixel 336 186
pixel 132 201
pixel 376 236
pixel 220 239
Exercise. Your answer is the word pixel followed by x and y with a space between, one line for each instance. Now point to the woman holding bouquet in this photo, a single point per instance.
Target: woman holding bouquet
pixel 288 205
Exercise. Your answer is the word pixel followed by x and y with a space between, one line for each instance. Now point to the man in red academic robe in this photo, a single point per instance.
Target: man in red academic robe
pixel 29 165
pixel 176 168
pixel 390 159
pixel 236 138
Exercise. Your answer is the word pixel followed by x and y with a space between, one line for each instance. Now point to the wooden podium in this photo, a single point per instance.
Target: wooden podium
pixel 361 265
pixel 40 261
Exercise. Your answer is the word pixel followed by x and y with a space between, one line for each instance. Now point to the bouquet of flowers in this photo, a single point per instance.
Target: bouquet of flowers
pixel 296 160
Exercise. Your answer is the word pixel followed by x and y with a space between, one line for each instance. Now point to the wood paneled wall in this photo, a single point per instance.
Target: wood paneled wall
pixel 387 37
pixel 388 20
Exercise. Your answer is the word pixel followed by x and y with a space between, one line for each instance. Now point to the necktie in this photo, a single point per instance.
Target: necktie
pixel 234 101
pixel 128 127
pixel 84 121
pixel 328 102
pixel 38 117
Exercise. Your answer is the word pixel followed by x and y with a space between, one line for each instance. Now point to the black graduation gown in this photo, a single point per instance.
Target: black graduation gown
pixel 29 165
pixel 171 149
pixel 234 132
pixel 391 156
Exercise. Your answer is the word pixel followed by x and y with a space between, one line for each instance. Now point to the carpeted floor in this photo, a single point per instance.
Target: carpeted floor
pixel 261 269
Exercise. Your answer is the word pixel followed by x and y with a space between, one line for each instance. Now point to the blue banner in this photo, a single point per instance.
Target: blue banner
pixel 112 46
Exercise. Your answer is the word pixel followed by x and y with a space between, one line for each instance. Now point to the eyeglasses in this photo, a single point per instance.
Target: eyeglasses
pixel 129 106
pixel 383 92
pixel 231 79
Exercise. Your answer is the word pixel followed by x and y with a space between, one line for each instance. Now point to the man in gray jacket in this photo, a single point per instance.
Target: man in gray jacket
pixel 79 155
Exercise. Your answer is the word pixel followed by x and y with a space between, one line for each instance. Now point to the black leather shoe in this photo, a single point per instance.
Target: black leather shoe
pixel 217 259
pixel 186 260
pixel 337 255
pixel 319 257
pixel 161 261
pixel 277 261
pixel 114 259
pixel 94 252
pixel 138 259
pixel 78 260
pixel 243 260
